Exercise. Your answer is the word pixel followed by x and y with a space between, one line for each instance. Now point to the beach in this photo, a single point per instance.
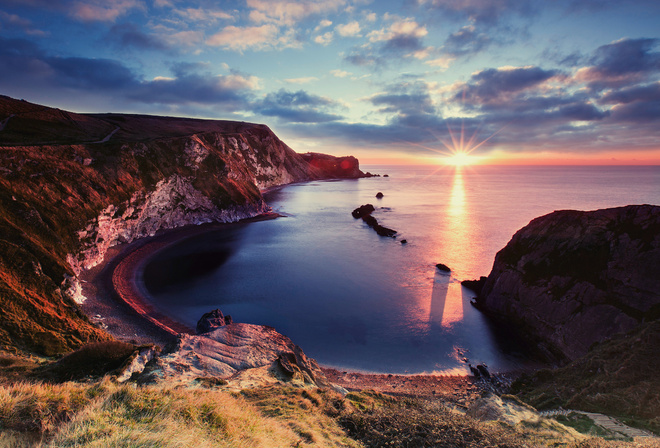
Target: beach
pixel 115 303
pixel 114 300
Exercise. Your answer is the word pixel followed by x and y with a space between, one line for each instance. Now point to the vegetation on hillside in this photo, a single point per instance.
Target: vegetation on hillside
pixel 106 414
pixel 618 377
pixel 54 181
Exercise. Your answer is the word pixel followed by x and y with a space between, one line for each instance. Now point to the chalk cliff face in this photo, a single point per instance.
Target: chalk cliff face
pixel 74 185
pixel 574 278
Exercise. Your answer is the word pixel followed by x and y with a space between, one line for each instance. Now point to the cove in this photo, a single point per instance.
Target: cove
pixel 354 300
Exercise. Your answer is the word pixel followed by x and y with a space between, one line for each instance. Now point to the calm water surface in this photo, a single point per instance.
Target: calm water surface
pixel 352 299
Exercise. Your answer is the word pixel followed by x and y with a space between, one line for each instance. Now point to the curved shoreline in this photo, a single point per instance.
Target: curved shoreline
pixel 116 283
pixel 114 300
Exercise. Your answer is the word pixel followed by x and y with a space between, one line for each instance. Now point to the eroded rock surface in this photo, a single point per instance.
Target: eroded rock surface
pixel 574 278
pixel 235 350
pixel 211 321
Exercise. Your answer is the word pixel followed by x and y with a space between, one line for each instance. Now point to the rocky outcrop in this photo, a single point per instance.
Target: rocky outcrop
pixel 573 278
pixel 364 212
pixel 341 167
pixel 507 410
pixel 211 321
pixel 239 349
pixel 74 185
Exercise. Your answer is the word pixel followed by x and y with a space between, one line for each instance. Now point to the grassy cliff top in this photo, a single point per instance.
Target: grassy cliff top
pixel 31 124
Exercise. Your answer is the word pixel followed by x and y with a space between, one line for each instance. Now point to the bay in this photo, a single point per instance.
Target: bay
pixel 355 300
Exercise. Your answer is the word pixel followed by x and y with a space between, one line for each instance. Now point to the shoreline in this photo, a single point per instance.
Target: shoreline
pixel 113 299
pixel 114 302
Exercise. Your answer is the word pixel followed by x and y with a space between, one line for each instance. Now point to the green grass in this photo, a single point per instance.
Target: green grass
pixel 585 425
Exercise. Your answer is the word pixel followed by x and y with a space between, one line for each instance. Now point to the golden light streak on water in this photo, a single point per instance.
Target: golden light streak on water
pixel 446 306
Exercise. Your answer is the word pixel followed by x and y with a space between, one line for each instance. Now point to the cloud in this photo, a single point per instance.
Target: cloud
pixel 486 13
pixel 442 63
pixel 466 41
pixel 305 80
pixel 635 104
pixel 351 29
pixel 325 38
pixel 494 84
pixel 128 35
pixel 403 38
pixel 408 105
pixel 621 63
pixel 401 30
pixel 243 38
pixel 340 73
pixel 25 65
pixel 297 107
pixel 13 21
pixel 103 10
pixel 323 24
pixel 287 12
pixel 204 15
pixel 194 88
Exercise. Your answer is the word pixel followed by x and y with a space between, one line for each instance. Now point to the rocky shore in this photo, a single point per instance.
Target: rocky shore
pixel 75 186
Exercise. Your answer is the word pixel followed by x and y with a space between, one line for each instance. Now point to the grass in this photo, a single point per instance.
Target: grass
pixel 585 425
pixel 105 414
pixel 90 361
pixel 617 378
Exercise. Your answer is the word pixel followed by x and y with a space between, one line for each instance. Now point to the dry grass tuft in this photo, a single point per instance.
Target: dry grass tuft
pixel 90 361
pixel 106 414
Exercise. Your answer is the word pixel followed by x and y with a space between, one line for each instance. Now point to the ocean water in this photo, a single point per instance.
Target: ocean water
pixel 355 300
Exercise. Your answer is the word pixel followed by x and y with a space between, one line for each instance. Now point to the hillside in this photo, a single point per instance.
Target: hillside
pixel 572 279
pixel 74 185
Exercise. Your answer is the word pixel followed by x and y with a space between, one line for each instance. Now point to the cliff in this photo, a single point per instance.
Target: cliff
pixel 571 279
pixel 74 185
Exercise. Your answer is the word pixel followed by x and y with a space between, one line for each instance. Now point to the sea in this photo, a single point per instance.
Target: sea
pixel 357 301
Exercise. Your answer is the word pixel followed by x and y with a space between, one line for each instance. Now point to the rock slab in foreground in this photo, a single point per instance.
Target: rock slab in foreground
pixel 234 349
pixel 573 278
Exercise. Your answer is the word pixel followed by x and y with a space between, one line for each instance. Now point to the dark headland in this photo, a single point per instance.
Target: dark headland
pixel 89 196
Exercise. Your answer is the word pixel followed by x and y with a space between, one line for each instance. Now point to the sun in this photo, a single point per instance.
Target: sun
pixel 459 158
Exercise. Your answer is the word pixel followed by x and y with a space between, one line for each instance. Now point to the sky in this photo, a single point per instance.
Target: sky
pixel 410 81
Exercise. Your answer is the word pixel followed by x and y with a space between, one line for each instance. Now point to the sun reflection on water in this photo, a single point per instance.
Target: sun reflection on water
pixel 457 199
pixel 446 307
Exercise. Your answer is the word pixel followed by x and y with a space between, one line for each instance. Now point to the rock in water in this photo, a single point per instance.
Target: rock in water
pixel 571 278
pixel 211 321
pixel 443 267
pixel 475 285
pixel 362 211
pixel 379 195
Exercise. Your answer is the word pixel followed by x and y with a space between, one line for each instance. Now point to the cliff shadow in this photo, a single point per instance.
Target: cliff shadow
pixel 191 259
